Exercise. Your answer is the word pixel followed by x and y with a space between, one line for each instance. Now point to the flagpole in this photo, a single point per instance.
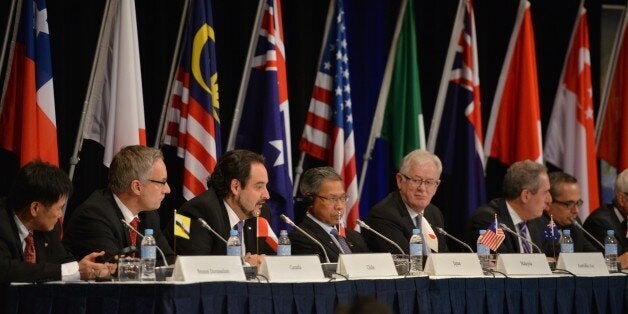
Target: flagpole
pixel 173 68
pixel 16 9
pixel 609 75
pixel 444 81
pixel 244 83
pixel 330 14
pixel 105 26
pixel 380 110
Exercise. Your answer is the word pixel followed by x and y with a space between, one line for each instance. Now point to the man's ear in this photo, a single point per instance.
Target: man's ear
pixel 136 187
pixel 34 208
pixel 235 186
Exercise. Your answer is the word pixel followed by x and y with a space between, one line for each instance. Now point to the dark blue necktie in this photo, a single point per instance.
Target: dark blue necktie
pixel 341 240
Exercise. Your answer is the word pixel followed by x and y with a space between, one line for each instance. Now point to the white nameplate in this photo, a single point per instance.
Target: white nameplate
pixel 208 268
pixel 366 265
pixel 453 264
pixel 523 264
pixel 298 268
pixel 583 264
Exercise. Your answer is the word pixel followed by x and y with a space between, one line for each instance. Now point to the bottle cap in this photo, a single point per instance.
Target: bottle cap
pixel 482 231
pixel 283 232
pixel 416 231
pixel 610 232
pixel 148 232
pixel 233 232
pixel 567 232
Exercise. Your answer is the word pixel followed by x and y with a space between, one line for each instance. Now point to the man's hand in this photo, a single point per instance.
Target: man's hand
pixel 90 269
pixel 254 259
pixel 623 260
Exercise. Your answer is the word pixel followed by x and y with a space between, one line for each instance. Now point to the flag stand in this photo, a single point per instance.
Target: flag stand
pixel 13 12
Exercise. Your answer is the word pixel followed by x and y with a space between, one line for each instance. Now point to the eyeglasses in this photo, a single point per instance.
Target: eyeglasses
pixel 429 183
pixel 334 199
pixel 570 204
pixel 164 182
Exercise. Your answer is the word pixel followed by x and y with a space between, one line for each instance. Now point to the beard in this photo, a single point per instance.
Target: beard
pixel 248 212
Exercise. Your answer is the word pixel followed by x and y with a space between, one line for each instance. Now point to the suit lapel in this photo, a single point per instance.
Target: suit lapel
pixel 322 236
pixel 403 212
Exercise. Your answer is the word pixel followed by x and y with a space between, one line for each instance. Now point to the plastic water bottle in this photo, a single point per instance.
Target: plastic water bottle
pixel 284 247
pixel 416 252
pixel 149 256
pixel 483 250
pixel 234 247
pixel 566 242
pixel 610 250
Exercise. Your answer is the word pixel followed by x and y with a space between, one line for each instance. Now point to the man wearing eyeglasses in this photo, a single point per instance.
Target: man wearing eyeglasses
pixel 325 198
pixel 563 210
pixel 410 207
pixel 613 217
pixel 137 185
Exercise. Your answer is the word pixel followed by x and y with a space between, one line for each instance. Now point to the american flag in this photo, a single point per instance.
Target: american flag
pixel 193 124
pixel 328 133
pixel 494 236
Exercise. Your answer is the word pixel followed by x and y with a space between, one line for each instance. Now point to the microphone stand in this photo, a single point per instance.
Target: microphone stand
pixel 575 223
pixel 520 237
pixel 206 226
pixel 443 232
pixel 288 221
pixel 128 226
pixel 362 224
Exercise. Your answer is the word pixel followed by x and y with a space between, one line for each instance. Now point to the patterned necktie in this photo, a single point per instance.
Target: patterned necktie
pixel 240 227
pixel 29 250
pixel 134 223
pixel 418 224
pixel 341 240
pixel 523 231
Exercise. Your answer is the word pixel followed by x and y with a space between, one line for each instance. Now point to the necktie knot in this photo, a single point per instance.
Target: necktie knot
pixel 29 249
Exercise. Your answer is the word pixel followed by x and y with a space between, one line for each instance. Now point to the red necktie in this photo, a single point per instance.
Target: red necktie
pixel 132 233
pixel 29 250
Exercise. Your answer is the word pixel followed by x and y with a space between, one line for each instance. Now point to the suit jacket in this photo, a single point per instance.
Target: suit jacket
pixel 390 217
pixel 302 245
pixel 50 253
pixel 95 226
pixel 604 218
pixel 485 215
pixel 202 242
pixel 580 241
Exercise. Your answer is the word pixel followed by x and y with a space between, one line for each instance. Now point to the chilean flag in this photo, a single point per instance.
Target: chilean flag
pixel 28 122
pixel 570 143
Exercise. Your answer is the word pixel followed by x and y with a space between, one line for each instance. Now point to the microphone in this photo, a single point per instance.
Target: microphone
pixel 443 232
pixel 575 223
pixel 288 221
pixel 128 226
pixel 519 236
pixel 206 226
pixel 367 227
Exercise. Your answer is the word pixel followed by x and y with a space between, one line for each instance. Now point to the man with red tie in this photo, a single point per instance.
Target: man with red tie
pixel 137 185
pixel 30 247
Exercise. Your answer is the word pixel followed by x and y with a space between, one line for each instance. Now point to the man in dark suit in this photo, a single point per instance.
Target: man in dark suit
pixel 235 197
pixel 137 185
pixel 30 247
pixel 613 217
pixel 563 210
pixel 401 211
pixel 526 194
pixel 325 198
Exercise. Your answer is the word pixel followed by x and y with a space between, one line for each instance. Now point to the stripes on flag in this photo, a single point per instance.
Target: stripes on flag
pixel 266 232
pixel 328 133
pixel 494 236
pixel 192 122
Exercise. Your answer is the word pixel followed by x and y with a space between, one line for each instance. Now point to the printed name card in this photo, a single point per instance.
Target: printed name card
pixel 366 265
pixel 292 268
pixel 453 264
pixel 523 264
pixel 583 264
pixel 208 268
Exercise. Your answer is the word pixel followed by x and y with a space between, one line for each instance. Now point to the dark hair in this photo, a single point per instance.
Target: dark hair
pixel 522 175
pixel 558 177
pixel 313 178
pixel 234 164
pixel 38 182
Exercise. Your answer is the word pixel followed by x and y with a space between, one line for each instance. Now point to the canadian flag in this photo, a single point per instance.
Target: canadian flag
pixel 569 143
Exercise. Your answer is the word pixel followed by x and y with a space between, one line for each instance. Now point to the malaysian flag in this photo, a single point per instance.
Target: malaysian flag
pixel 494 236
pixel 328 133
pixel 193 124
pixel 265 123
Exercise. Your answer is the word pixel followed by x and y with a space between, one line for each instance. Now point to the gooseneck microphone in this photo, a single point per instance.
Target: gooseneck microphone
pixel 519 236
pixel 206 226
pixel 128 226
pixel 367 227
pixel 288 221
pixel 575 223
pixel 443 232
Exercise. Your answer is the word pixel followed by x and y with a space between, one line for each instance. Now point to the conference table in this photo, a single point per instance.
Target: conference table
pixel 551 294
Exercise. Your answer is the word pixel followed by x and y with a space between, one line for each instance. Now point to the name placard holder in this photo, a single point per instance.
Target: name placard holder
pixel 371 265
pixel 292 268
pixel 208 268
pixel 453 264
pixel 583 264
pixel 523 264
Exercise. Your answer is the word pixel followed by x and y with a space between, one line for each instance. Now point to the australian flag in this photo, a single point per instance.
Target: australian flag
pixel 265 123
pixel 456 131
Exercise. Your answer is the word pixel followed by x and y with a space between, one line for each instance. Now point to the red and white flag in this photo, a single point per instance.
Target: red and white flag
pixel 514 128
pixel 569 143
pixel 116 115
pixel 328 133
pixel 265 232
